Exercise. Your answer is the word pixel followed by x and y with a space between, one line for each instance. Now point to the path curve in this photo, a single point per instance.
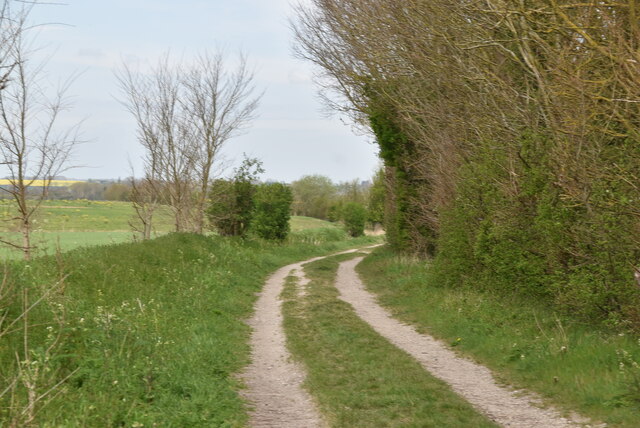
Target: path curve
pixel 273 380
pixel 470 380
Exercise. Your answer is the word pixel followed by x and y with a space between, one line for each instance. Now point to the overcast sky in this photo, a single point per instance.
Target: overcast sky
pixel 292 135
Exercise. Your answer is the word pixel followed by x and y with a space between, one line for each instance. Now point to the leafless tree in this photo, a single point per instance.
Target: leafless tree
pixel 185 114
pixel 170 155
pixel 218 105
pixel 145 198
pixel 33 147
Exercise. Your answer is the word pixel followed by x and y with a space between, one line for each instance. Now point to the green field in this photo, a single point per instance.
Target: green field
pixel 83 216
pixel 300 223
pixel 81 223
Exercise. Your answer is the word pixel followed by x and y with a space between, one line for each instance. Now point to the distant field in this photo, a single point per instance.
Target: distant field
pixel 304 223
pixel 83 216
pixel 40 183
pixel 81 223
pixel 77 223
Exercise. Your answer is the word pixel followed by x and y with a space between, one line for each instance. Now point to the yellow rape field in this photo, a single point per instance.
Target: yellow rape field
pixel 40 183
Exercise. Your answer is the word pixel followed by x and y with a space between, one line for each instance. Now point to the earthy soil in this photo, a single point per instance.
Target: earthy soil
pixel 472 381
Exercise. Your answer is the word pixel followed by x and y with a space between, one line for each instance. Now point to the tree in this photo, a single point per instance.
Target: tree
pixel 117 192
pixel 185 114
pixel 272 211
pixel 87 190
pixel 354 216
pixel 231 203
pixel 170 153
pixel 145 196
pixel 313 196
pixel 375 204
pixel 218 105
pixel 509 133
pixel 34 148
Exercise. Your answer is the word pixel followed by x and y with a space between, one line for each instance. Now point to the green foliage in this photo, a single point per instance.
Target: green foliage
pixel 533 243
pixel 335 212
pixel 405 227
pixel 272 210
pixel 579 366
pixel 117 192
pixel 376 201
pixel 231 201
pixel 313 195
pixel 355 217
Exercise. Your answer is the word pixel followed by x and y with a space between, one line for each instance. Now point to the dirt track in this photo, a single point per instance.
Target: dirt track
pixel 273 380
pixel 470 380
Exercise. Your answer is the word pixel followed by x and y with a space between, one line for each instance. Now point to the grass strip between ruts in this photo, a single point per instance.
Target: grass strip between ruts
pixel 358 377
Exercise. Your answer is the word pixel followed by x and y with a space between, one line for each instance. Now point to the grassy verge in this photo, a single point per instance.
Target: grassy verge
pixel 574 365
pixel 360 379
pixel 150 333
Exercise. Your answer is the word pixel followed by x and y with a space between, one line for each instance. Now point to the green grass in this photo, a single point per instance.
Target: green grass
pixel 83 215
pixel 153 332
pixel 299 223
pixel 576 366
pixel 48 242
pixel 358 377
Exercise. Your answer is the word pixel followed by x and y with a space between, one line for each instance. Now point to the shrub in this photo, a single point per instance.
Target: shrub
pixel 355 216
pixel 231 201
pixel 272 210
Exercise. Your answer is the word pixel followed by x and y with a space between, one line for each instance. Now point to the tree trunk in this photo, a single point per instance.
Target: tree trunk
pixel 26 239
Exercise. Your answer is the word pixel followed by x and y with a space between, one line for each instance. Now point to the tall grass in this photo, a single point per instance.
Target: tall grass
pixel 148 334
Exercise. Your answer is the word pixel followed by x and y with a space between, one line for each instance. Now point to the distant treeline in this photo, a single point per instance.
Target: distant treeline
pixel 510 134
pixel 90 190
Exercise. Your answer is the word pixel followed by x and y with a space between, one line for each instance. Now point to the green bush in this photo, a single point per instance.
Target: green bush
pixel 355 216
pixel 231 201
pixel 272 211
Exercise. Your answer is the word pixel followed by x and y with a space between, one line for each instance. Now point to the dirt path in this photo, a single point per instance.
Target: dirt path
pixel 470 380
pixel 273 380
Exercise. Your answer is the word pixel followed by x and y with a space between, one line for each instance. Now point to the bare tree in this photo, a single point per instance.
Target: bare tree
pixel 145 198
pixel 184 117
pixel 170 155
pixel 33 150
pixel 218 105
